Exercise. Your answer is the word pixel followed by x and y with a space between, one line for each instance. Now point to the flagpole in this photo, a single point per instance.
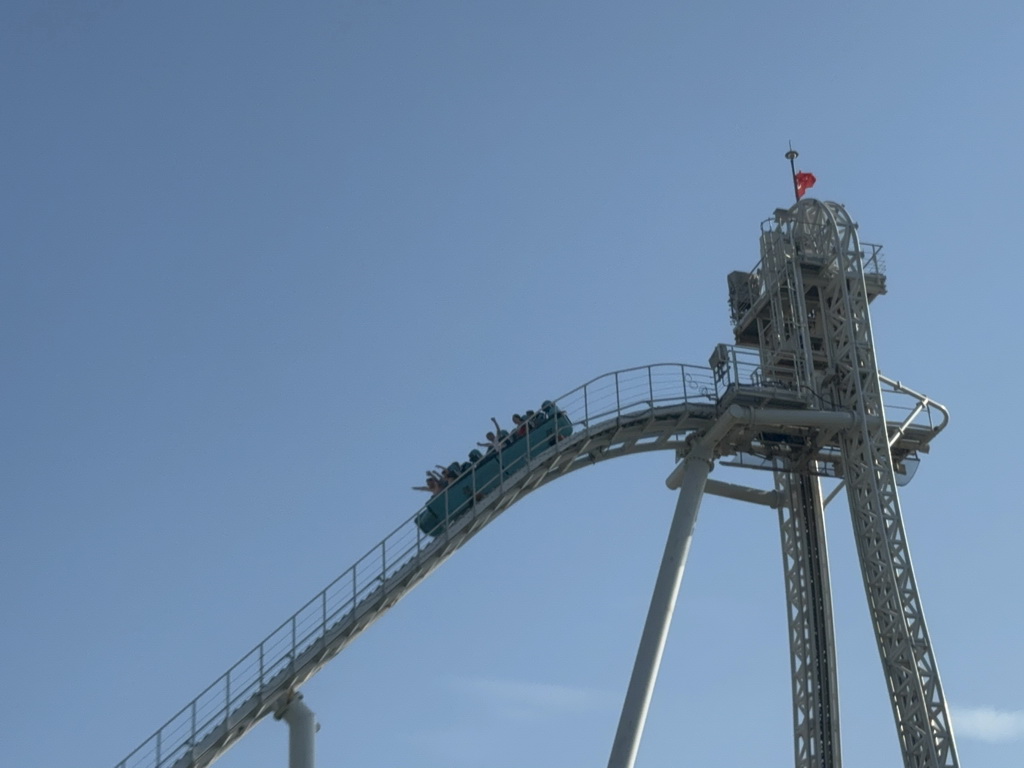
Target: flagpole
pixel 792 155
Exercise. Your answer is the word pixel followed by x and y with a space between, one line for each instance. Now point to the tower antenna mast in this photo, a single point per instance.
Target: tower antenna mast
pixel 792 155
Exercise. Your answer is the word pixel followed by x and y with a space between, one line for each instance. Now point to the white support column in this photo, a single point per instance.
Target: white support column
pixel 695 471
pixel 302 728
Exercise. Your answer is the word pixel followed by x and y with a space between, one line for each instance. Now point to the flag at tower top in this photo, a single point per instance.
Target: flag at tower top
pixel 804 181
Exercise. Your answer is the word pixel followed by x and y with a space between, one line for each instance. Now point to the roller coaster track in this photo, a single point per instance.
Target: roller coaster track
pixel 649 408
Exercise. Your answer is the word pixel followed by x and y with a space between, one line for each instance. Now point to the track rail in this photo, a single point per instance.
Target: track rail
pixel 630 411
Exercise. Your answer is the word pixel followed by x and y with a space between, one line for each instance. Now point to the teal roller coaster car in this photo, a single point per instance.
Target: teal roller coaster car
pixel 485 473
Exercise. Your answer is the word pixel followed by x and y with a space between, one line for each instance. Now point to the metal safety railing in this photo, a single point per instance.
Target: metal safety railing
pixel 289 654
pixel 224 705
pixel 763 276
pixel 906 409
pixel 634 390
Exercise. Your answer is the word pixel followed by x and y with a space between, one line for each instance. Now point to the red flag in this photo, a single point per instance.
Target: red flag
pixel 804 181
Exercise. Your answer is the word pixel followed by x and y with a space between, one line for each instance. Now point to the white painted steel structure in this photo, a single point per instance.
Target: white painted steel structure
pixel 806 304
pixel 799 395
pixel 302 728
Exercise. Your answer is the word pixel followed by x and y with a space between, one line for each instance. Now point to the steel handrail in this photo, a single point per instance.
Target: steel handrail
pixel 924 404
pixel 280 657
pixel 586 405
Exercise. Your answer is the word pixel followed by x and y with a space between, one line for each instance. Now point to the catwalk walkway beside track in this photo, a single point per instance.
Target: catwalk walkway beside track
pixel 630 411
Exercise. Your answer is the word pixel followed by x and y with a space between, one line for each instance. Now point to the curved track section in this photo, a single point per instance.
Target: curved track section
pixel 631 411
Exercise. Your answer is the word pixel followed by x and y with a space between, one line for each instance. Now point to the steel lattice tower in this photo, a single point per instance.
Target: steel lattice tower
pixel 805 310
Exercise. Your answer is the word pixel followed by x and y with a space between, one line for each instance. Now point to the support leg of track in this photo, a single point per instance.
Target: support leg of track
pixel 659 615
pixel 302 730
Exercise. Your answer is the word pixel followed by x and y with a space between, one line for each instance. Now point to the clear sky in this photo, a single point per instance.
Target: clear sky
pixel 262 263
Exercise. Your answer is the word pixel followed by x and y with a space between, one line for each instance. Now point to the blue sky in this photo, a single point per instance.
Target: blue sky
pixel 264 263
